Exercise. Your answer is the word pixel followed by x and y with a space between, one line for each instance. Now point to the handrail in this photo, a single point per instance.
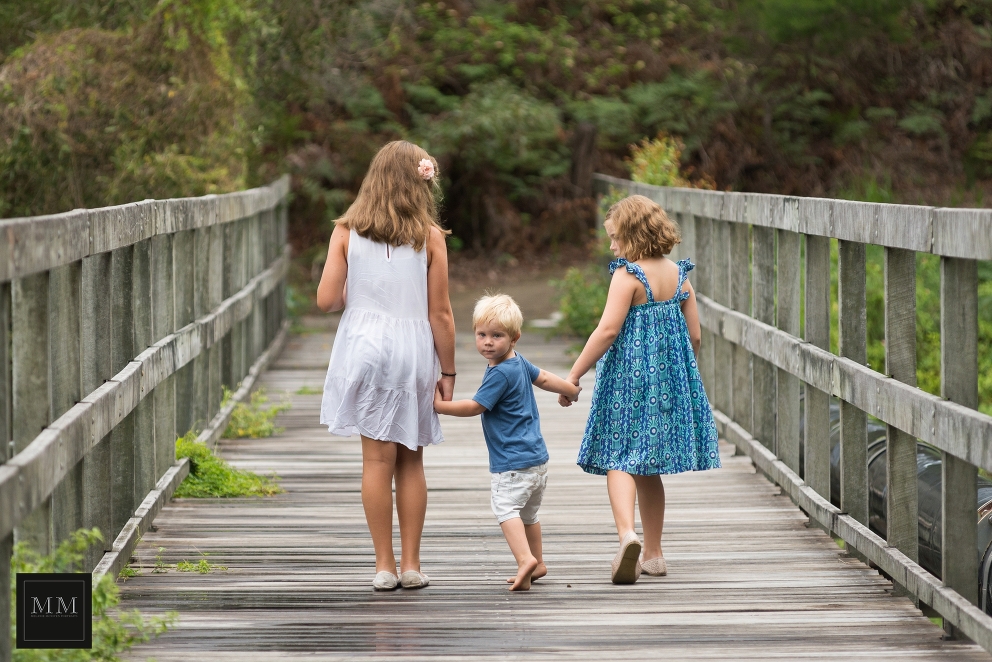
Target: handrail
pixel 751 263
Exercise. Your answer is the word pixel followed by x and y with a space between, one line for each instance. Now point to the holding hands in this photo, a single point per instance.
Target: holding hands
pixel 566 400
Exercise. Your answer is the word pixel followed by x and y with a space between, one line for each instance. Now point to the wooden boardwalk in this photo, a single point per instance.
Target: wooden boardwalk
pixel 748 579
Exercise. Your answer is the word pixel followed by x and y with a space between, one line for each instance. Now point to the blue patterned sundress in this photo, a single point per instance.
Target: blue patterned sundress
pixel 649 413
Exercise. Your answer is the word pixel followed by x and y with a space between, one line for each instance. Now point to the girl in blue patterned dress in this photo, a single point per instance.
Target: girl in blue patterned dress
pixel 649 413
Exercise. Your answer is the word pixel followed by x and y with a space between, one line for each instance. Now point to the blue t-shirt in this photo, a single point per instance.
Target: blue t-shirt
pixel 511 424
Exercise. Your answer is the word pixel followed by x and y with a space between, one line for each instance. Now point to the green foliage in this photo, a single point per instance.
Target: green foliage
pixel 309 390
pixel 252 420
pixel 210 476
pixel 582 300
pixel 657 162
pixel 202 566
pixel 115 630
pixel 830 23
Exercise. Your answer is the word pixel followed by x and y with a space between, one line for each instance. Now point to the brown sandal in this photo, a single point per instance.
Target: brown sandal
pixel 626 566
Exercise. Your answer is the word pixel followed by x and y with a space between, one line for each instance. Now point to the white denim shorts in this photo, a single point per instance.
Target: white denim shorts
pixel 518 493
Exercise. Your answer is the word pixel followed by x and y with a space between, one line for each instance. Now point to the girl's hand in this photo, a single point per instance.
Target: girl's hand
pixel 437 396
pixel 446 387
pixel 564 401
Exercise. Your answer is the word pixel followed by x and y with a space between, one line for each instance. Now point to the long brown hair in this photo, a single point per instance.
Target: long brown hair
pixel 643 228
pixel 395 205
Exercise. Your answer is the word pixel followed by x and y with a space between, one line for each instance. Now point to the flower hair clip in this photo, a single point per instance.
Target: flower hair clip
pixel 426 169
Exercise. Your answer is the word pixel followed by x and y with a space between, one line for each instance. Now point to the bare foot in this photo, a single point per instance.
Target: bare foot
pixel 539 572
pixel 524 575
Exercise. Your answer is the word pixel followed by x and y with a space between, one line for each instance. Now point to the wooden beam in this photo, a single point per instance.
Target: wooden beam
pixel 787 319
pixel 959 383
pixel 817 332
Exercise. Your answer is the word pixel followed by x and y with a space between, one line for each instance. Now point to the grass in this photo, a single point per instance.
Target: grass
pixel 309 390
pixel 211 476
pixel 253 420
pixel 202 566
pixel 115 630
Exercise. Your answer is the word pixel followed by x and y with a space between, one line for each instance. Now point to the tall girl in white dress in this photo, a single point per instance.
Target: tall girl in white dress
pixel 387 265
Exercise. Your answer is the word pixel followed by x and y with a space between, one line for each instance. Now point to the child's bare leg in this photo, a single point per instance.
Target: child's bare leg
pixel 622 490
pixel 516 538
pixel 378 466
pixel 651 501
pixel 533 533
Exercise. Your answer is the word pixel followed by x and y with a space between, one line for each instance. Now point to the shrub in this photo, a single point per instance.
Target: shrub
pixel 114 630
pixel 210 476
pixel 659 162
pixel 252 420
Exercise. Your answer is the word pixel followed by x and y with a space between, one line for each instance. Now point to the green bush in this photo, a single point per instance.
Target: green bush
pixel 659 162
pixel 252 420
pixel 115 630
pixel 210 476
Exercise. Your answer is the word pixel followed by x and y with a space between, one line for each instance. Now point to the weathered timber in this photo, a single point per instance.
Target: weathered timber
pixel 852 343
pixel 787 319
pixel 816 402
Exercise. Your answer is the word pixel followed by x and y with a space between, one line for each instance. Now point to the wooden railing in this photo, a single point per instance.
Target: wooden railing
pixel 118 328
pixel 757 257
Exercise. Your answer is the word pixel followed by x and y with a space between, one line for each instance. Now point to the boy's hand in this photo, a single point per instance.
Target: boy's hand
pixel 565 401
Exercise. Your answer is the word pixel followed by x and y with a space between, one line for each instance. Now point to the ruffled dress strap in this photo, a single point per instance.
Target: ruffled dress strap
pixel 685 266
pixel 638 273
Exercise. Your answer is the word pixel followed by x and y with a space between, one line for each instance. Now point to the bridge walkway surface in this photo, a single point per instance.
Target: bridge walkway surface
pixel 748 578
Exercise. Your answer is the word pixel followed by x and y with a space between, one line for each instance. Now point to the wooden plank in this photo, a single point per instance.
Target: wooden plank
pixel 900 362
pixel 852 344
pixel 817 331
pixel 144 412
pixel 787 319
pixel 163 323
pixel 781 590
pixel 6 608
pixel 184 255
pixel 6 385
pixel 740 300
pixel 702 282
pixel 720 390
pixel 65 329
pixel 122 349
pixel 959 383
pixel 763 302
pixel 32 406
pixel 963 233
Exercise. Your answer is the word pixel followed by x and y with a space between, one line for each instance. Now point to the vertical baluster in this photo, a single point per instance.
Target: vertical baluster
pixel 144 413
pixel 31 372
pixel 740 300
pixel 163 323
pixel 900 363
pixel 720 285
pixel 201 306
pixel 959 383
pixel 6 412
pixel 787 319
pixel 763 310
pixel 215 294
pixel 852 344
pixel 183 260
pixel 258 312
pixel 816 427
pixel 701 282
pixel 96 369
pixel 124 438
pixel 227 354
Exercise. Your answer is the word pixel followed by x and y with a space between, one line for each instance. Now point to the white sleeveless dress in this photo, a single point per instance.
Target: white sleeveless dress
pixel 383 369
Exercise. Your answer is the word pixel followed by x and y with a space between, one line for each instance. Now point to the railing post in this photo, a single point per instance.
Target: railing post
pixel 183 265
pixel 702 283
pixel 902 513
pixel 6 412
pixel 959 383
pixel 816 427
pixel 163 323
pixel 740 300
pixel 31 371
pixel 124 437
pixel 64 337
pixel 144 413
pixel 216 289
pixel 96 369
pixel 201 292
pixel 763 306
pixel 720 285
pixel 852 344
pixel 787 319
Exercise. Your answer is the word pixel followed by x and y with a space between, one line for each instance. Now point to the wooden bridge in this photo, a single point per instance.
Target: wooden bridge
pixel 97 386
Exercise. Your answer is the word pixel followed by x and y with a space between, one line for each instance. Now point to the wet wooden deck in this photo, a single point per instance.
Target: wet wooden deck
pixel 747 578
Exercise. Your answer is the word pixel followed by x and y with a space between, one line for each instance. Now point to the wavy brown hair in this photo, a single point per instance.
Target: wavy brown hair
pixel 395 205
pixel 643 228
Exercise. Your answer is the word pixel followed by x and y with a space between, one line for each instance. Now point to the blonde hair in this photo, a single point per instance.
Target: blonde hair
pixel 501 309
pixel 395 205
pixel 642 228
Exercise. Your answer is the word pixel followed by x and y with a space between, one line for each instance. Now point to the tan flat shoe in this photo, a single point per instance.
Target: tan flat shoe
pixel 414 579
pixel 655 567
pixel 626 567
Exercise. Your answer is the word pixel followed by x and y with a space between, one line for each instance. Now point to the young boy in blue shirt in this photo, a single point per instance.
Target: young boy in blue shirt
pixel 512 428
